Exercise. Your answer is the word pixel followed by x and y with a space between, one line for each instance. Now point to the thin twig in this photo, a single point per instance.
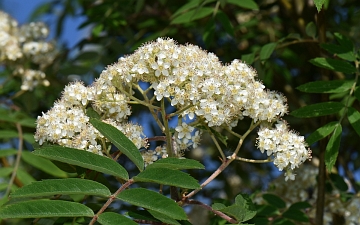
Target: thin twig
pixel 221 214
pixel 18 157
pixel 110 200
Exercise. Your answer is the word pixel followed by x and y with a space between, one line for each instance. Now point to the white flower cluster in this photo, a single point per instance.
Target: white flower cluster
pixel 288 148
pixel 20 45
pixel 151 156
pixel 68 125
pixel 199 87
pixel 304 189
pixel 191 78
pixel 187 136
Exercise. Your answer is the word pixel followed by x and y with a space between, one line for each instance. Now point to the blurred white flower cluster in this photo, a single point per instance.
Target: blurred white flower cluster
pixel 200 88
pixel 304 189
pixel 25 45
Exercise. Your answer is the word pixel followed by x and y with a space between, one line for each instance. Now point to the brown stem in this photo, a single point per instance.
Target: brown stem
pixel 221 214
pixel 110 200
pixel 225 163
pixel 320 201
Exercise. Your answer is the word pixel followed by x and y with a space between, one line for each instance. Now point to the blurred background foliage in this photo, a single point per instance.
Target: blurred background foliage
pixel 276 37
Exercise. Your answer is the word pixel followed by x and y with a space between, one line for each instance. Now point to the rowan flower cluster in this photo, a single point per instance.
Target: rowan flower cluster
pixel 24 44
pixel 200 89
pixel 286 147
pixel 68 125
pixel 192 79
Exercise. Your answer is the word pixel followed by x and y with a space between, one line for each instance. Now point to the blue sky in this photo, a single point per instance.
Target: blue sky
pixel 22 9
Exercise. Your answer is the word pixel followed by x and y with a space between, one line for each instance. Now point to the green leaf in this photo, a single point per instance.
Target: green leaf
pixel 24 177
pixel 354 119
pixel 267 50
pixel 344 42
pixel 225 22
pixel 319 4
pixel 300 205
pixel 154 201
pixel 84 159
pixel 319 109
pixel 339 182
pixel 4 172
pixel 67 186
pixel 96 30
pixel 274 200
pixel 247 4
pixel 209 32
pixel 120 141
pixel 340 51
pixel 186 7
pixel 235 211
pixel 332 148
pixel 163 218
pixel 282 221
pixel 219 136
pixel 218 206
pixel 111 218
pixel 192 15
pixel 295 214
pixel 43 164
pixel 142 215
pixel 7 152
pixel 248 58
pixel 321 132
pixel 310 29
pixel 168 177
pixel 244 201
pixel 267 210
pixel 6 134
pixel 45 208
pixel 176 163
pixel 357 93
pixel 90 112
pixel 334 64
pixel 333 86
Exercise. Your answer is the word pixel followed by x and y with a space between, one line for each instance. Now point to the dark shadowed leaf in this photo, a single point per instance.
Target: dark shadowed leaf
pixel 225 22
pixel 339 182
pixel 334 86
pixel 295 214
pixel 319 109
pixel 354 119
pixel 334 64
pixel 192 15
pixel 274 200
pixel 247 4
